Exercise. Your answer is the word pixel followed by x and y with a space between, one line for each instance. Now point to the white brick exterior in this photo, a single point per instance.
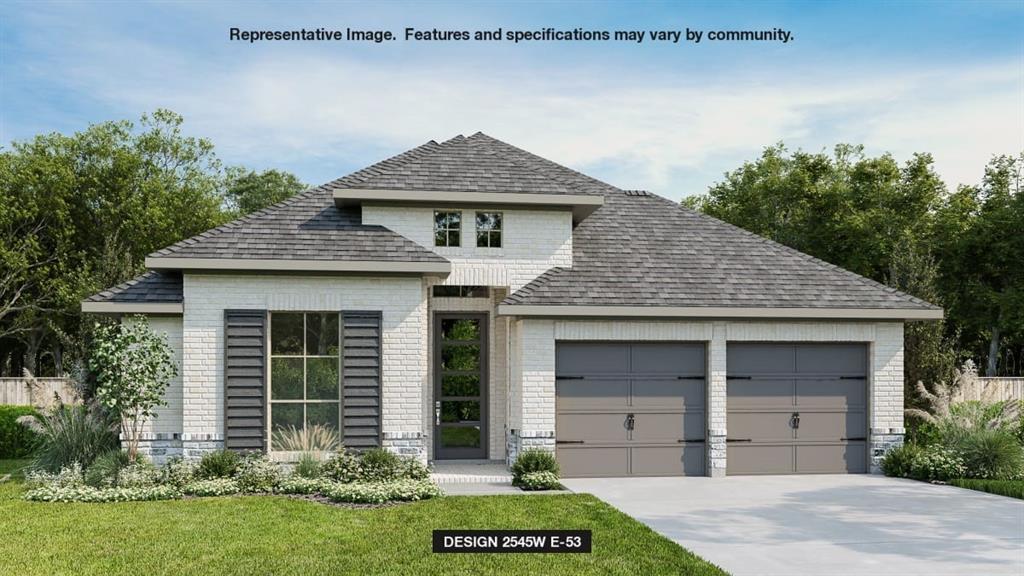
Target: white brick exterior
pixel 533 241
pixel 401 300
pixel 532 409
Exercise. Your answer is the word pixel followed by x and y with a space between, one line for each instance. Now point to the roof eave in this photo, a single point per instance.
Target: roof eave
pixel 582 205
pixel 169 308
pixel 273 265
pixel 525 310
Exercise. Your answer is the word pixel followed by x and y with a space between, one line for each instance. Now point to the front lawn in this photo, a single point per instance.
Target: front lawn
pixel 280 535
pixel 1011 488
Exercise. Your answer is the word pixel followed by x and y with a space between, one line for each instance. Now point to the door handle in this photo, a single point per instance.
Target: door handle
pixel 437 413
pixel 794 421
pixel 630 422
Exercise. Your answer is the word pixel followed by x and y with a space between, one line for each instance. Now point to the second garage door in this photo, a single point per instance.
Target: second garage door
pixel 630 409
pixel 797 408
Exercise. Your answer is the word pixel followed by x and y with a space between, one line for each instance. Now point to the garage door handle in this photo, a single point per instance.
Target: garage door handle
pixel 569 442
pixel 739 440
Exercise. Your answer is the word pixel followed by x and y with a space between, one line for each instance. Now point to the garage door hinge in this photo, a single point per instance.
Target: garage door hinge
pixel 739 439
pixel 568 377
pixel 739 377
pixel 568 441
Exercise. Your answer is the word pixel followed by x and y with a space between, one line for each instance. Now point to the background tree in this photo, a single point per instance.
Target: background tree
pixel 980 245
pixel 248 191
pixel 78 213
pixel 899 225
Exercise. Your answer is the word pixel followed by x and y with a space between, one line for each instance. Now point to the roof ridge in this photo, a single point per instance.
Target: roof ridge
pixel 802 255
pixel 545 161
pixel 217 230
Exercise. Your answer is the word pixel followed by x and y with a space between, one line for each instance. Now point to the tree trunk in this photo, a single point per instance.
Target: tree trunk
pixel 993 353
pixel 58 359
pixel 29 360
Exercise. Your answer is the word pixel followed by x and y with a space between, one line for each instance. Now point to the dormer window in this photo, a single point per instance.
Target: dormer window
pixel 447 228
pixel 488 229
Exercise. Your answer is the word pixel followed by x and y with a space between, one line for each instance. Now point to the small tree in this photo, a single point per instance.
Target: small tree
pixel 133 367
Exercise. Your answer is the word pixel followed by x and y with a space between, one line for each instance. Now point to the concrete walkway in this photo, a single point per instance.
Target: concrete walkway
pixel 823 525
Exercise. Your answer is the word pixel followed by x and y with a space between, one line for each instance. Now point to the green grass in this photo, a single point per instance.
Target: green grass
pixel 278 535
pixel 1011 488
pixel 13 467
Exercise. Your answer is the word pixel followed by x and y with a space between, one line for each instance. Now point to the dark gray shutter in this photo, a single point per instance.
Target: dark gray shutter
pixel 361 376
pixel 245 377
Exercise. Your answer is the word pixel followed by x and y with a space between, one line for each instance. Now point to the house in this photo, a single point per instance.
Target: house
pixel 468 300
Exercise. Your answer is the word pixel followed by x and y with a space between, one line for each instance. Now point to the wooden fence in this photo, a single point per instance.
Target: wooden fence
pixel 15 390
pixel 991 390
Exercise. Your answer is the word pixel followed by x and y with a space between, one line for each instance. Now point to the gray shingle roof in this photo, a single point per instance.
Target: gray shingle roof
pixel 637 250
pixel 308 227
pixel 458 165
pixel 149 288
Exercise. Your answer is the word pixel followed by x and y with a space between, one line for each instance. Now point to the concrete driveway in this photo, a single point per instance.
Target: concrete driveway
pixel 849 525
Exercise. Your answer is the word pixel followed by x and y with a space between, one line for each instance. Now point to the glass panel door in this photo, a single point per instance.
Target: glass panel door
pixel 460 392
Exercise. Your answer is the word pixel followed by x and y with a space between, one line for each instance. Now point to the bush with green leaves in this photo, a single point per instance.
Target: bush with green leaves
pixel 342 467
pixel 138 474
pixel 1011 488
pixel 937 463
pixel 540 481
pixel 991 454
pixel 256 473
pixel 103 471
pixel 67 477
pixel 898 461
pixel 302 485
pixel 70 434
pixel 380 492
pixel 83 493
pixel 16 440
pixel 212 487
pixel 413 469
pixel 178 472
pixel 218 464
pixel 533 460
pixel 379 465
pixel 308 466
pixel 133 366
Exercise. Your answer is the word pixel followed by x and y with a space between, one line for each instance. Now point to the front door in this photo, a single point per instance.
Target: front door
pixel 460 386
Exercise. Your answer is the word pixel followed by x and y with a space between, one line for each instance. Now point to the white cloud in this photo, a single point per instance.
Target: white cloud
pixel 638 131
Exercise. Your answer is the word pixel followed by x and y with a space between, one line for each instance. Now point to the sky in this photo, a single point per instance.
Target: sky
pixel 945 78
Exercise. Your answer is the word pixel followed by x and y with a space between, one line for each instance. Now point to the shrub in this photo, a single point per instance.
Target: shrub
pixel 89 494
pixel 992 454
pixel 1011 488
pixel 379 465
pixel 380 492
pixel 16 441
pixel 936 463
pixel 69 434
pixel 899 460
pixel 139 474
pixel 102 473
pixel 301 485
pixel 211 487
pixel 68 477
pixel 413 469
pixel 256 473
pixel 540 481
pixel 218 464
pixel 533 460
pixel 342 467
pixel 177 472
pixel 315 438
pixel 307 467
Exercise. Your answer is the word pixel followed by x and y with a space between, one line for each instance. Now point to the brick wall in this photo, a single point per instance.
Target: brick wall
pixel 533 241
pixel 400 299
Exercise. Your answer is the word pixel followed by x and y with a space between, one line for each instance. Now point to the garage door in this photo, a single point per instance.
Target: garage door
pixel 797 408
pixel 629 409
